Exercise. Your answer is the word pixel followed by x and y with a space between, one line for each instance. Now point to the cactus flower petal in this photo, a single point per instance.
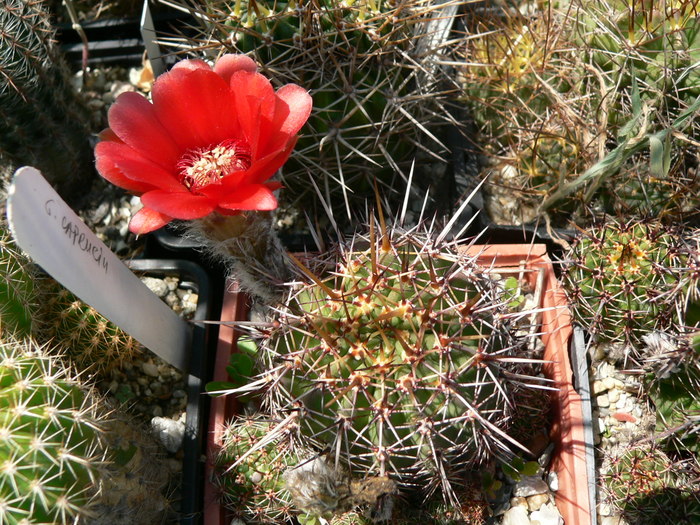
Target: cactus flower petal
pixel 147 220
pixel 254 197
pixel 209 142
pixel 182 205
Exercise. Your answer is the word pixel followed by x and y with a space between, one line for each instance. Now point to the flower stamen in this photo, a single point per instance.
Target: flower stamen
pixel 204 166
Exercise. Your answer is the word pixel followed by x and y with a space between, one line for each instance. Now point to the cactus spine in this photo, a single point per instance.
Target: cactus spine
pixel 396 358
pixel 377 92
pixel 49 439
pixel 43 120
pixel 18 296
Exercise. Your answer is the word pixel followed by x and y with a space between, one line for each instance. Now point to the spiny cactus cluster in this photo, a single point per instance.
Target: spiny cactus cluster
pixel 266 477
pixel 649 488
pixel 378 94
pixel 627 279
pixel 43 120
pixel 656 43
pixel 395 354
pixel 250 468
pixel 50 440
pixel 18 295
pixel 90 341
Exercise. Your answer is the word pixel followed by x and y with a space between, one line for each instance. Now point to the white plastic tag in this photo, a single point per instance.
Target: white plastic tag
pixel 59 241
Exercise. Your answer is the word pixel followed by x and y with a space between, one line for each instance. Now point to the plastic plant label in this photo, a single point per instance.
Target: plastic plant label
pixel 59 241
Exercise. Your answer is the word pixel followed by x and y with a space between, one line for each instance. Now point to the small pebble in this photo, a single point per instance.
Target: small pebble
pixel 529 486
pixel 624 416
pixel 149 369
pixel 546 515
pixel 602 401
pixel 613 395
pixel 535 502
pixel 170 433
pixel 157 286
pixel 518 502
pixel 553 481
pixel 516 516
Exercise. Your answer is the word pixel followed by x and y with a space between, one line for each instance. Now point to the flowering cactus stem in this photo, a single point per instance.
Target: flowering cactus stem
pixel 249 246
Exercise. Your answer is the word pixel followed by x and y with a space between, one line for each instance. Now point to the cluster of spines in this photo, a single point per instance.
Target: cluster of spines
pixel 43 118
pixel 378 96
pixel 88 339
pixel 50 439
pixel 18 296
pixel 627 279
pixel 397 359
pixel 649 488
pixel 250 467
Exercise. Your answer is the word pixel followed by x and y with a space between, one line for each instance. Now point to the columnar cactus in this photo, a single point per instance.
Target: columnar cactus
pixel 43 121
pixel 49 439
pixel 18 296
pixel 627 279
pixel 397 358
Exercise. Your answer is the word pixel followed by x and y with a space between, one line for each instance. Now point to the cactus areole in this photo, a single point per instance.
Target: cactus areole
pixel 397 362
pixel 209 142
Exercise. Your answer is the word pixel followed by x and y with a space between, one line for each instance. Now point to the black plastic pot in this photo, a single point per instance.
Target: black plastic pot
pixel 199 371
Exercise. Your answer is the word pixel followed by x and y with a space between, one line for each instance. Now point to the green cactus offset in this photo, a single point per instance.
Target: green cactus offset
pixel 649 488
pixel 89 340
pixel 251 484
pixel 628 279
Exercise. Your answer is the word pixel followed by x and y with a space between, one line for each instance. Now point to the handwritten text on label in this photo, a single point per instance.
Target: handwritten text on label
pixel 77 237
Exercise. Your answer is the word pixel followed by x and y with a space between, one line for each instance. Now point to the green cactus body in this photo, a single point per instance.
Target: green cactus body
pixel 651 489
pixel 50 447
pixel 394 361
pixel 254 489
pixel 18 297
pixel 376 97
pixel 92 342
pixel 628 279
pixel 43 120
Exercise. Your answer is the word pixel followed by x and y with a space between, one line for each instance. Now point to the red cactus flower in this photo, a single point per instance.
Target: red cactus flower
pixel 208 142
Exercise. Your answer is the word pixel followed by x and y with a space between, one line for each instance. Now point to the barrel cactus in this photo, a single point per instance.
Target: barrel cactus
pixel 396 353
pixel 628 279
pixel 50 439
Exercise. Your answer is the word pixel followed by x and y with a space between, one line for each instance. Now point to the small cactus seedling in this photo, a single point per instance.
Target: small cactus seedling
pixel 50 441
pixel 628 279
pixel 397 357
pixel 651 489
pixel 249 470
pixel 18 296
pixel 92 342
